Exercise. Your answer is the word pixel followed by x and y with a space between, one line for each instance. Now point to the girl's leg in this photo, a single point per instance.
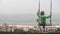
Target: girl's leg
pixel 43 28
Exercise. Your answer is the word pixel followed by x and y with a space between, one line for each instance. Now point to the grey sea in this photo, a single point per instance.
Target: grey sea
pixel 26 19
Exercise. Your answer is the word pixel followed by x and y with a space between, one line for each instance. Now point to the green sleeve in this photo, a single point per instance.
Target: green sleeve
pixel 38 14
pixel 48 16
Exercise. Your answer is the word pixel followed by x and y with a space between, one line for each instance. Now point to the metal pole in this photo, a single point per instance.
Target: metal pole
pixel 39 6
pixel 51 12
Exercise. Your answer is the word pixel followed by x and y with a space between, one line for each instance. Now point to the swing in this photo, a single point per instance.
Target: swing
pixel 50 14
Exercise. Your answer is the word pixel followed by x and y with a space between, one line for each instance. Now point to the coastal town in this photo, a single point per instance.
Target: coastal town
pixel 19 28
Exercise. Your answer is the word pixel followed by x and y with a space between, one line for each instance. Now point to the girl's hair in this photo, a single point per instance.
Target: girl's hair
pixel 42 12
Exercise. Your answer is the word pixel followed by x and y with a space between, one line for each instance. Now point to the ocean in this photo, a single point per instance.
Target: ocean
pixel 26 19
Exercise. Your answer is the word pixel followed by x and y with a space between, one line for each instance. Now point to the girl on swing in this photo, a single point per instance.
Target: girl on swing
pixel 42 19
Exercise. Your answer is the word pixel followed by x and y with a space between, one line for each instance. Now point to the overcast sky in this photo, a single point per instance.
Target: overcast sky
pixel 27 6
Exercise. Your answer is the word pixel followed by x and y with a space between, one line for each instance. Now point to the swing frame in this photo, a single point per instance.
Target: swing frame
pixel 50 12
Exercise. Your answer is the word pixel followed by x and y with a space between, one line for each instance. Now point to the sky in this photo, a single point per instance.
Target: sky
pixel 24 11
pixel 27 6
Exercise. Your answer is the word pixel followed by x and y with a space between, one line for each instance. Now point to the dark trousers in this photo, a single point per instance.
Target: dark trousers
pixel 42 25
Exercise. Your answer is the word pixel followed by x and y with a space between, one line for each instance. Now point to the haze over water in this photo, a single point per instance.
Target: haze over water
pixel 25 19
